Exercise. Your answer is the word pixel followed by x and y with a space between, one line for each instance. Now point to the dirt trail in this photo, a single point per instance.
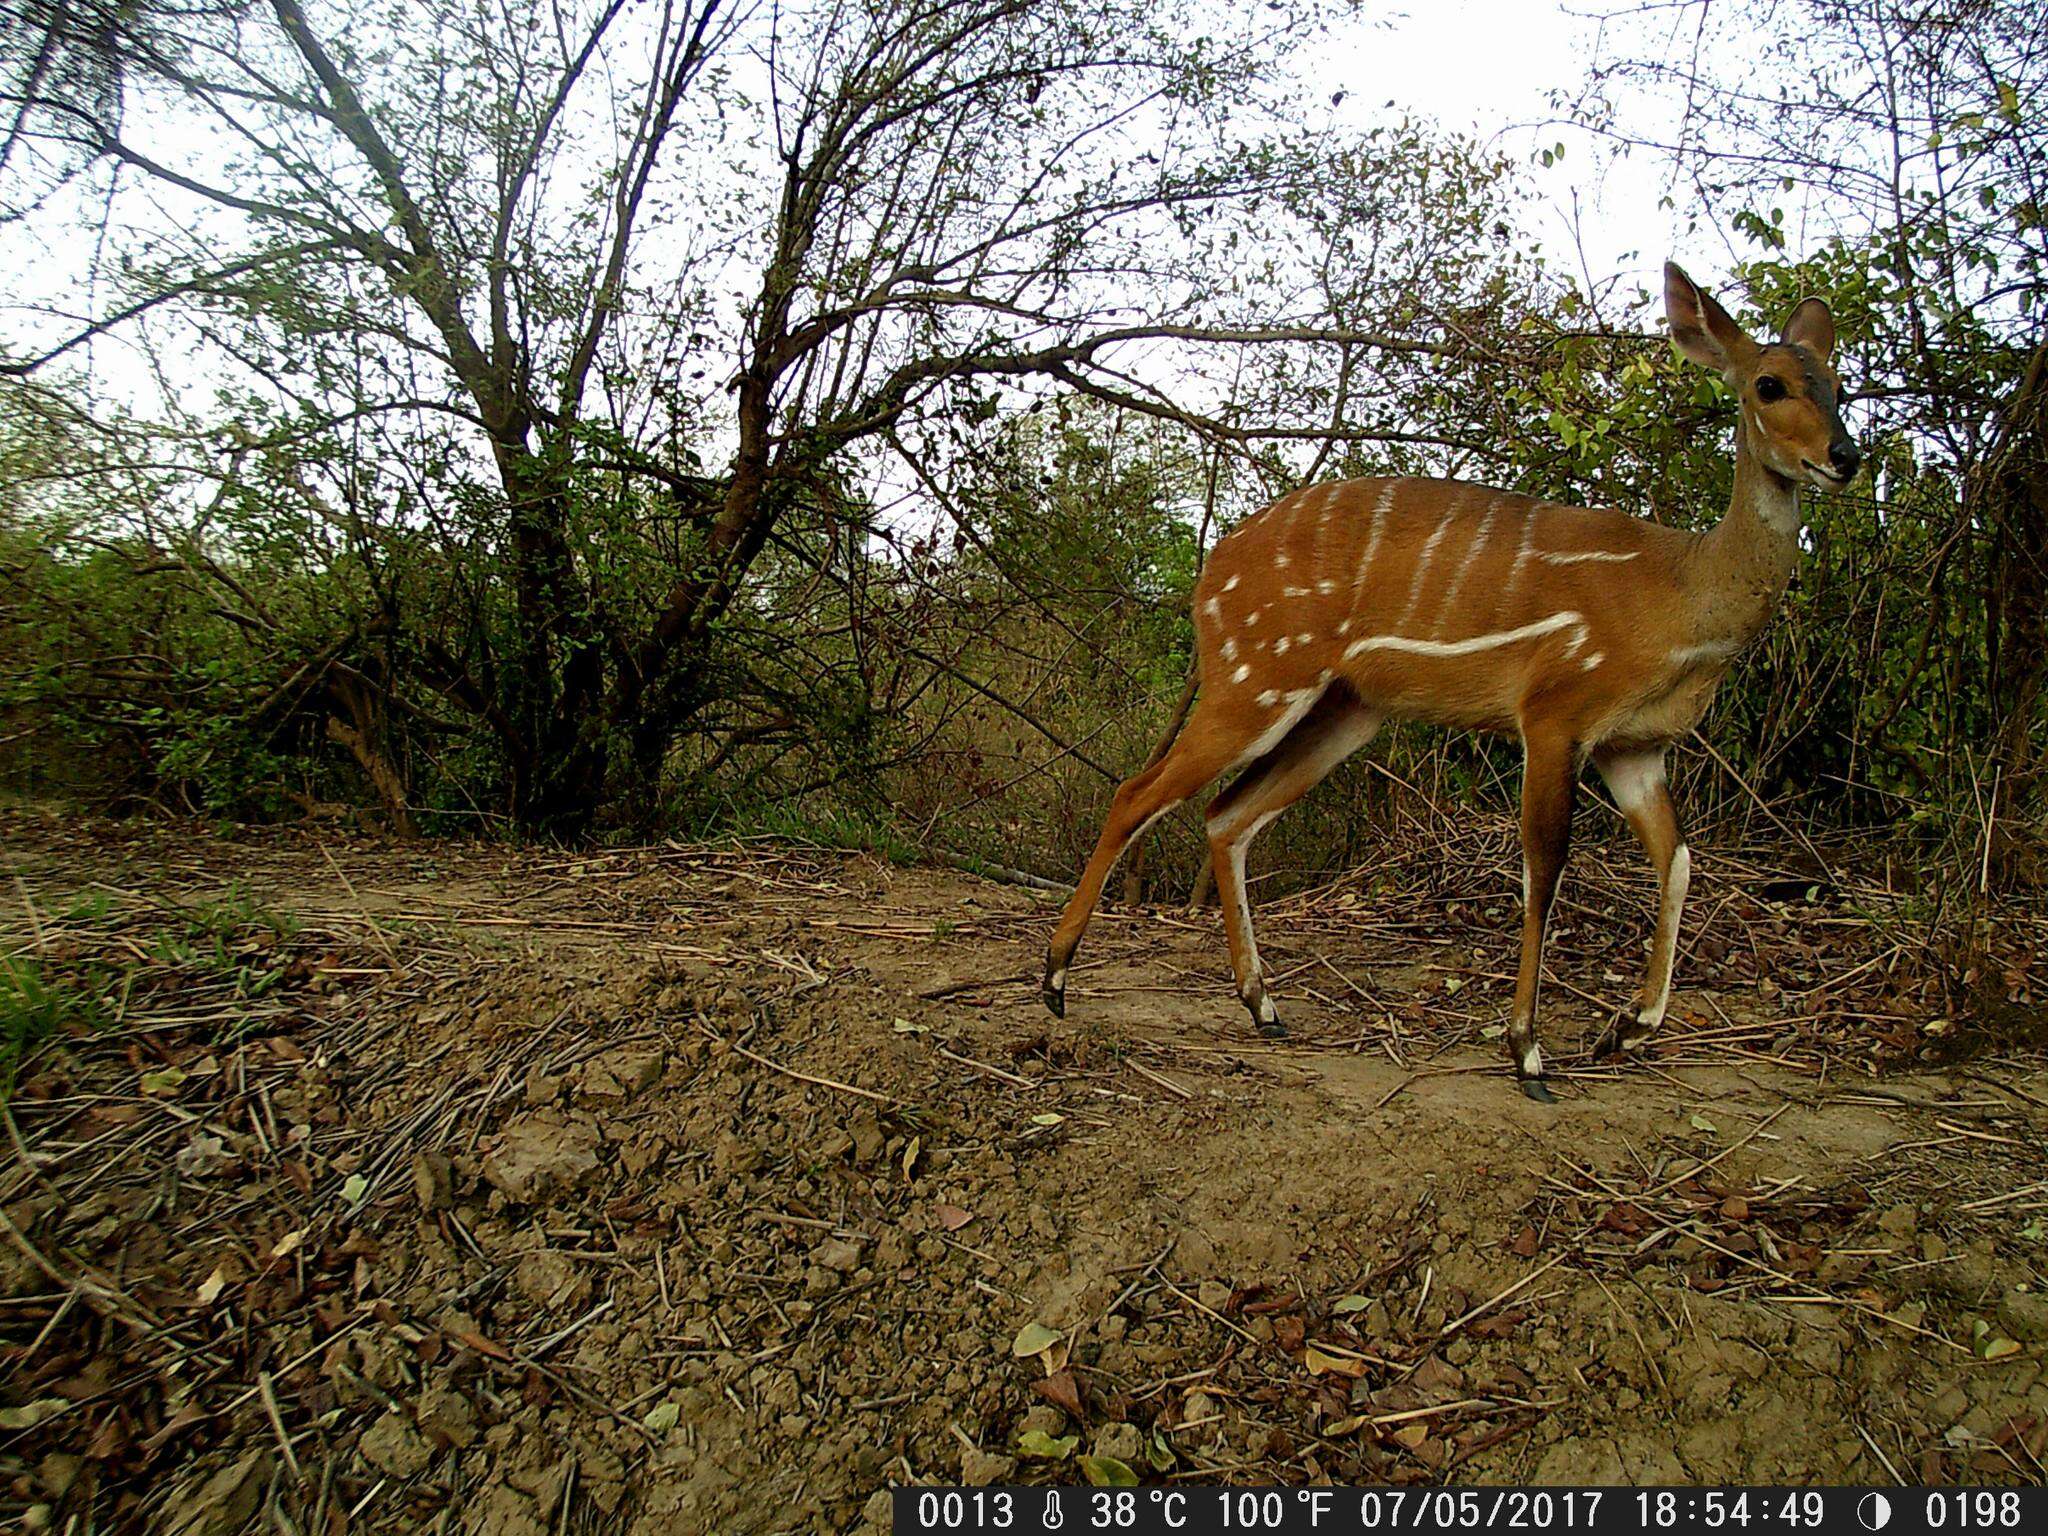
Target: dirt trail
pixel 615 1190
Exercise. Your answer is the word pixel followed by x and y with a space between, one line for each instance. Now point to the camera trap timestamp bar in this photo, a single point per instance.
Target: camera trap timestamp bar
pixel 1190 1511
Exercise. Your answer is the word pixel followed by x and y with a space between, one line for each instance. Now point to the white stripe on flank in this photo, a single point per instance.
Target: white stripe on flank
pixel 1584 555
pixel 1422 564
pixel 1372 543
pixel 1555 622
pixel 1526 549
pixel 1471 557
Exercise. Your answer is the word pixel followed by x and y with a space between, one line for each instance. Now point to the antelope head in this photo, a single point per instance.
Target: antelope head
pixel 1787 391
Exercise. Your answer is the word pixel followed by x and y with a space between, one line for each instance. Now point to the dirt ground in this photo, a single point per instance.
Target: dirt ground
pixel 445 1187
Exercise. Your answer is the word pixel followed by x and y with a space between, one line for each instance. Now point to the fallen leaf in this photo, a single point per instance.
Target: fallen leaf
pixel 1289 1332
pixel 1735 1208
pixel 1347 1304
pixel 167 1080
pixel 1412 1435
pixel 354 1187
pixel 1048 1118
pixel 1039 1446
pixel 480 1344
pixel 910 1154
pixel 1034 1339
pixel 1347 1426
pixel 1524 1244
pixel 663 1417
pixel 1702 1123
pixel 952 1217
pixel 211 1287
pixel 906 1027
pixel 289 1244
pixel 1063 1392
pixel 1998 1349
pixel 1322 1362
pixel 1108 1472
pixel 30 1414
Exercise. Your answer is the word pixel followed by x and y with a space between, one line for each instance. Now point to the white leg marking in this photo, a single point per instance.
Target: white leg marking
pixel 1532 1060
pixel 1669 910
pixel 1058 980
pixel 1529 631
pixel 1634 780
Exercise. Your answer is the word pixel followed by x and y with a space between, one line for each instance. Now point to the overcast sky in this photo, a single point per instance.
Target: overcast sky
pixel 1485 67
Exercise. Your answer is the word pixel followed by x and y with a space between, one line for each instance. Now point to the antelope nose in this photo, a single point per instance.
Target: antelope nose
pixel 1845 456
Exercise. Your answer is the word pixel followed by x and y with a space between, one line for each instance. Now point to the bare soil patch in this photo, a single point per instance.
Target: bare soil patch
pixel 444 1187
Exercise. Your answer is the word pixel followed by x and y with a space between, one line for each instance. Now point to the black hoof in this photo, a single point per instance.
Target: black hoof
pixel 1272 1029
pixel 1055 1000
pixel 1620 1034
pixel 1534 1088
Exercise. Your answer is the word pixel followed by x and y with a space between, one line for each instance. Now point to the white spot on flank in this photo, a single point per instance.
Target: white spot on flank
pixel 1269 697
pixel 1304 639
pixel 1294 591
pixel 1213 608
pixel 1280 646
pixel 1326 587
pixel 1230 650
pixel 1583 556
pixel 1555 622
pixel 1281 561
pixel 1241 674
pixel 1230 585
pixel 1343 626
pixel 1593 660
pixel 1251 616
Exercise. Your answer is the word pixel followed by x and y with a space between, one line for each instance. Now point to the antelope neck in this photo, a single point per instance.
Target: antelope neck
pixel 1742 565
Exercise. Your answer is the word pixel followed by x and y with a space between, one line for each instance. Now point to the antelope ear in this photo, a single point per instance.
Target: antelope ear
pixel 1701 328
pixel 1812 325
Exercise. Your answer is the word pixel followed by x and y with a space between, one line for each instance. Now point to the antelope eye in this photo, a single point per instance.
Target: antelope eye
pixel 1769 388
